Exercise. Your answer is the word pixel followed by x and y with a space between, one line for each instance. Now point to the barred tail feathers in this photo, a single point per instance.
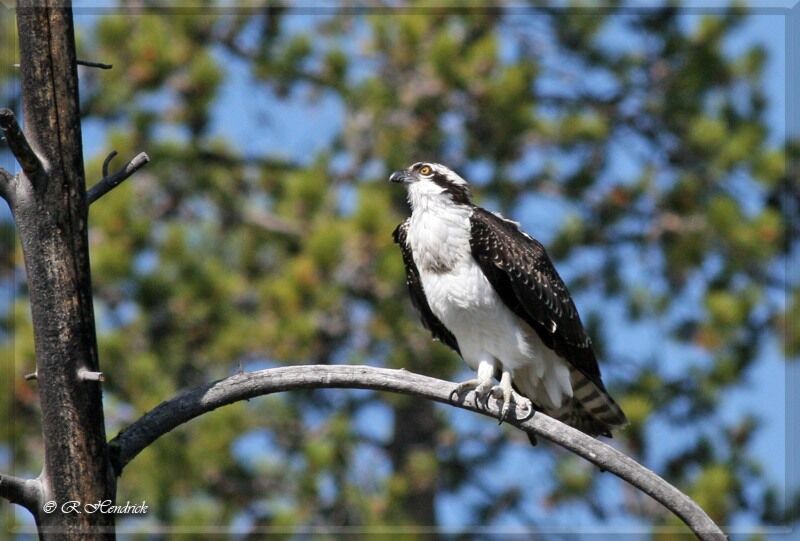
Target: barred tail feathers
pixel 590 409
pixel 596 401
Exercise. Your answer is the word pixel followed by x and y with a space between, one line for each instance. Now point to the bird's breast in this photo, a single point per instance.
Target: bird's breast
pixel 467 304
pixel 462 292
pixel 439 238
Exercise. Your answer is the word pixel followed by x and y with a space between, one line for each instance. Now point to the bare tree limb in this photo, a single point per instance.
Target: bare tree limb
pixel 193 403
pixel 24 492
pixel 19 145
pixel 107 162
pixel 89 64
pixel 6 184
pixel 109 182
pixel 90 375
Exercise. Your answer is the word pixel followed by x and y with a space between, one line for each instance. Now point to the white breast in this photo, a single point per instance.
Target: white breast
pixel 457 290
pixel 459 294
pixel 439 234
pixel 464 300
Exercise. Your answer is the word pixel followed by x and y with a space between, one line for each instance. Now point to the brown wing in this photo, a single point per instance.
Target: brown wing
pixel 522 274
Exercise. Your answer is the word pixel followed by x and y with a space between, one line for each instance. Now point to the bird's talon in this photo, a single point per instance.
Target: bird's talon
pixel 528 410
pixel 482 390
pixel 461 387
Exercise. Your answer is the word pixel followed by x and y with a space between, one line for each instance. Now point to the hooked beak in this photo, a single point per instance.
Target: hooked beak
pixel 401 177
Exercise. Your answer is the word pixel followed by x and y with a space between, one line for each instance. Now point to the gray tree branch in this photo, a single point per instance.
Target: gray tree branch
pixel 19 145
pixel 99 65
pixel 6 182
pixel 24 492
pixel 109 182
pixel 193 403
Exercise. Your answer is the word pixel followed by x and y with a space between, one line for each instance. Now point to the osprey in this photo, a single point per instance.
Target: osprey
pixel 490 292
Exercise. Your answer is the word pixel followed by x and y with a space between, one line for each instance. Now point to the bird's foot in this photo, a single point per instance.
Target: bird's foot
pixel 506 393
pixel 482 387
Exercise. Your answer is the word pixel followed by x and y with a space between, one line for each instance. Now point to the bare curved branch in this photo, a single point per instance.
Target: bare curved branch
pixel 107 162
pixel 109 182
pixel 193 403
pixel 6 181
pixel 24 492
pixel 19 145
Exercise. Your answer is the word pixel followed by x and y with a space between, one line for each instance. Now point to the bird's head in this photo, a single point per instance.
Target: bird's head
pixel 427 182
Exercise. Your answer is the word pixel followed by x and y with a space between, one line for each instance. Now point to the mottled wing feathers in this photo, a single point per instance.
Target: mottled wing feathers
pixel 429 320
pixel 522 274
pixel 520 271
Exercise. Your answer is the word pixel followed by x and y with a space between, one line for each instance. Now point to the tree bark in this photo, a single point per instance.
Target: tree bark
pixel 50 210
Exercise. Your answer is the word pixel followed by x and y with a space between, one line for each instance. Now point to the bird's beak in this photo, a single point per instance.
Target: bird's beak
pixel 401 177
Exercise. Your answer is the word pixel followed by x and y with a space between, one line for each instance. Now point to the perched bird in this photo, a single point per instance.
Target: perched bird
pixel 489 291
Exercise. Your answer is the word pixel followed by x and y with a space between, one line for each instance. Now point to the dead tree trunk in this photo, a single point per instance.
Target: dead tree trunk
pixel 48 201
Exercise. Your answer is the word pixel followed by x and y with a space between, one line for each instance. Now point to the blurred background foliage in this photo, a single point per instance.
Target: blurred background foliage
pixel 631 141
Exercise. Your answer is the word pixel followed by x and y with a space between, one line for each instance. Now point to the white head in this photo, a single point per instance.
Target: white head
pixel 433 183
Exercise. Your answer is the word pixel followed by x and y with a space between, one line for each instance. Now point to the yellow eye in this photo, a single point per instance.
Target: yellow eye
pixel 425 170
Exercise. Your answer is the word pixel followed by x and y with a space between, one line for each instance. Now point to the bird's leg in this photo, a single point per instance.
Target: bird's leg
pixel 482 385
pixel 506 392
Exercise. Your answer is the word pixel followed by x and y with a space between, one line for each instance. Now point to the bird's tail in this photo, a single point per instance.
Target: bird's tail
pixel 592 410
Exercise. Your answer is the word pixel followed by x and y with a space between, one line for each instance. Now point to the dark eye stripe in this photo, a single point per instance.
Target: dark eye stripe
pixel 459 193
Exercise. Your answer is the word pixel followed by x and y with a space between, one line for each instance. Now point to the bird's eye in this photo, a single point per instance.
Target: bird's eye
pixel 425 170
